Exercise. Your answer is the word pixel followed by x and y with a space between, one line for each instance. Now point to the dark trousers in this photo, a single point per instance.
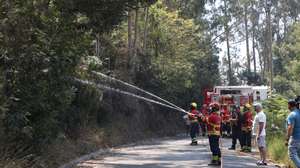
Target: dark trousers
pixel 226 128
pixel 236 135
pixel 203 128
pixel 187 129
pixel 194 130
pixel 246 138
pixel 214 145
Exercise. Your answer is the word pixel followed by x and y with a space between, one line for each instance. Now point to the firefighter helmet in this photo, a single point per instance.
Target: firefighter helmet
pixel 248 106
pixel 214 107
pixel 194 105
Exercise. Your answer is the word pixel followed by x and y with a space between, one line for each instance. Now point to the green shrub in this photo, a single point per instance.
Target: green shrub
pixel 276 111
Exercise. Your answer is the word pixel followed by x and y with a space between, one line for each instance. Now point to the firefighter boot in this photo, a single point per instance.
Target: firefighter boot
pixel 244 148
pixel 248 149
pixel 215 161
pixel 219 161
pixel 194 141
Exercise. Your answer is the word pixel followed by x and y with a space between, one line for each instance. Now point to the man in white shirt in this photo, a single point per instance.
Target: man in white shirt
pixel 259 130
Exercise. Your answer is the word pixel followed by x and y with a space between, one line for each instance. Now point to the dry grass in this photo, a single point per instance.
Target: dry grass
pixel 53 155
pixel 65 149
pixel 277 150
pixel 17 156
pixel 123 128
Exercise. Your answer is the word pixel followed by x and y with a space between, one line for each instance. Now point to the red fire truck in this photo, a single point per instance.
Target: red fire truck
pixel 229 96
pixel 235 95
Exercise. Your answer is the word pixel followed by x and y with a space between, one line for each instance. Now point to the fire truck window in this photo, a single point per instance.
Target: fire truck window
pixel 257 95
pixel 223 92
pixel 258 98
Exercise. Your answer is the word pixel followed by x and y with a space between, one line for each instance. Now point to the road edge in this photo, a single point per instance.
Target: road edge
pixel 104 151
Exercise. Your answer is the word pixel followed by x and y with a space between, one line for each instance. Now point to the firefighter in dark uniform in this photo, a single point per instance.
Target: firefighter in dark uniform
pixel 204 113
pixel 226 129
pixel 247 120
pixel 193 117
pixel 214 133
pixel 236 126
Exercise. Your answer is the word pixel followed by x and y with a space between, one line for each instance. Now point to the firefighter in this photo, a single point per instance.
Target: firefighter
pixel 204 113
pixel 214 133
pixel 236 126
pixel 226 130
pixel 247 121
pixel 193 117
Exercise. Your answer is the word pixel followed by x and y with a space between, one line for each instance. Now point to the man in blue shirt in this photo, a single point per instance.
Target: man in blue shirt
pixel 293 132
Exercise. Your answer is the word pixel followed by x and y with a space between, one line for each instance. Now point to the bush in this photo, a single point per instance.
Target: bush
pixel 276 111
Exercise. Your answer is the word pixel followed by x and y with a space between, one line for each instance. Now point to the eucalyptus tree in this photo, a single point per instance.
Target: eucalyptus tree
pixel 41 44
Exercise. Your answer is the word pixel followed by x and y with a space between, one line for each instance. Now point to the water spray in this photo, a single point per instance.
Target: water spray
pixel 137 88
pixel 103 87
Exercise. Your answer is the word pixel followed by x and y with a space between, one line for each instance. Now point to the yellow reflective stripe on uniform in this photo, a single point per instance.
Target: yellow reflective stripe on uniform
pixel 215 131
pixel 215 125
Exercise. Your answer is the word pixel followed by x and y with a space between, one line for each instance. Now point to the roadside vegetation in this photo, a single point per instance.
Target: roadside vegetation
pixel 276 111
pixel 168 47
pixel 287 81
pixel 47 118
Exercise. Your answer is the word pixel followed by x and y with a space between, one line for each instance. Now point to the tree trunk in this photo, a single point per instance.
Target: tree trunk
pixel 265 55
pixel 133 58
pixel 253 48
pixel 136 31
pixel 247 38
pixel 260 47
pixel 269 45
pixel 270 56
pixel 284 27
pixel 228 56
pixel 266 48
pixel 254 20
pixel 228 45
pixel 261 64
pixel 285 16
pixel 129 34
pixel 146 29
pixel 97 46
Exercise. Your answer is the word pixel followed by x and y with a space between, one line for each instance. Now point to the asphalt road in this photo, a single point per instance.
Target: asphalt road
pixel 175 153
